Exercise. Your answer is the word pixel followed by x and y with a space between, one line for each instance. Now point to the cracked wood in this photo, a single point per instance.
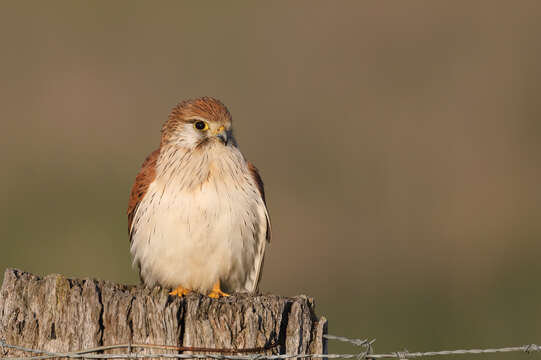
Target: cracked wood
pixel 59 314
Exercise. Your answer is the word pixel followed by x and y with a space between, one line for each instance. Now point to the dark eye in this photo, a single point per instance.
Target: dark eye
pixel 201 125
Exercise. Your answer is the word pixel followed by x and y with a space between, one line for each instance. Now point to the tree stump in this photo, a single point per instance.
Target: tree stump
pixel 57 314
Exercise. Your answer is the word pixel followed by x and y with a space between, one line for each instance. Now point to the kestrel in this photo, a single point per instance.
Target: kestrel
pixel 197 216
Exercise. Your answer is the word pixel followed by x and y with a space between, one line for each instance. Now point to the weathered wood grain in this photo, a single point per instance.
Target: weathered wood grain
pixel 59 314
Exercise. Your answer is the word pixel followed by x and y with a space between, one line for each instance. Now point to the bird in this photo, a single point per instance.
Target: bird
pixel 197 215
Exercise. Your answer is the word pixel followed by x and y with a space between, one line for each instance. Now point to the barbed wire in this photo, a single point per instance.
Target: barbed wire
pixel 364 355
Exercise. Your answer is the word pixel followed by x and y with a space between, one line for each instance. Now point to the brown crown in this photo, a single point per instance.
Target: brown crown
pixel 205 107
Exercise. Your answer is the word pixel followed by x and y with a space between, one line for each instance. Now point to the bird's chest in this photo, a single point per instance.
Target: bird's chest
pixel 208 210
pixel 212 211
pixel 198 222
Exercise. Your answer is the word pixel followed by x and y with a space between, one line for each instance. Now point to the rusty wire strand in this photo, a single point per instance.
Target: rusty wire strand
pixel 365 343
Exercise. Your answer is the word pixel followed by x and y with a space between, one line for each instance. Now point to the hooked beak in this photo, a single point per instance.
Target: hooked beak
pixel 222 135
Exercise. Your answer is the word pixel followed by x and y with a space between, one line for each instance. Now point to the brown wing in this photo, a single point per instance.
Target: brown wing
pixel 264 237
pixel 146 175
pixel 259 183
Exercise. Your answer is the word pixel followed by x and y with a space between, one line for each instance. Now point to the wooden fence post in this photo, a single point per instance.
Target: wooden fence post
pixel 57 314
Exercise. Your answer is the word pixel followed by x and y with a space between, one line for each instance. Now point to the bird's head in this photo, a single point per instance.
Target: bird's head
pixel 198 122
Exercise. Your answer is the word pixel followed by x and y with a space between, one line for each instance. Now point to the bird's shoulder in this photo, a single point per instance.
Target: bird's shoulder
pixel 254 173
pixel 144 178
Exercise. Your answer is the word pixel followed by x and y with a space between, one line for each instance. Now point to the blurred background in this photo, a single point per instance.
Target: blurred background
pixel 399 142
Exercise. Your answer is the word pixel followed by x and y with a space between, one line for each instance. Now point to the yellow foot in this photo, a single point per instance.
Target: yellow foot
pixel 180 291
pixel 216 292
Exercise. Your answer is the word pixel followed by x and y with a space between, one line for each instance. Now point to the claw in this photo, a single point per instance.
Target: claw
pixel 216 292
pixel 180 291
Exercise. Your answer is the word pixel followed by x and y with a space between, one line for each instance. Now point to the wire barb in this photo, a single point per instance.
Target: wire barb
pixel 357 342
pixel 531 348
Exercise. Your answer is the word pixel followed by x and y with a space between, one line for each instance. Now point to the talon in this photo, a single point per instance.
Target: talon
pixel 180 291
pixel 216 292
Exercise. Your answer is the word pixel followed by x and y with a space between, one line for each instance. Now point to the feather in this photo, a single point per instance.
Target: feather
pixel 265 227
pixel 146 175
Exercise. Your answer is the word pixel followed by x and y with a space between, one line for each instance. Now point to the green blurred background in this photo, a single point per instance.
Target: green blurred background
pixel 399 143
